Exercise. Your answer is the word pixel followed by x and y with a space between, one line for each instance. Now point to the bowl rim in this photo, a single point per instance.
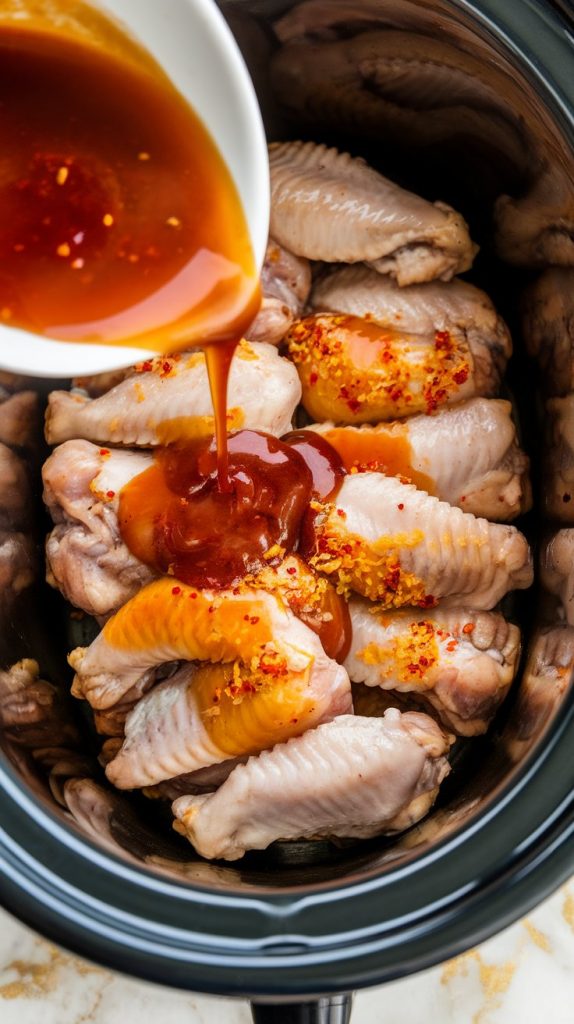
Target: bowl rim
pixel 297 941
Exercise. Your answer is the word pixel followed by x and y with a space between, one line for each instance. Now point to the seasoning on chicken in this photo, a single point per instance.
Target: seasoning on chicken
pixel 352 777
pixel 558 464
pixel 168 400
pixel 86 557
pixel 208 714
pixel 354 371
pixel 537 229
pixel 285 283
pixel 168 622
pixel 557 570
pixel 466 454
pixel 396 545
pixel 326 205
pixel 461 661
pixel 421 311
pixel 548 327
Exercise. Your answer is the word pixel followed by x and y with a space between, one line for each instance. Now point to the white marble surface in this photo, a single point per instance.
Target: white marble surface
pixel 525 975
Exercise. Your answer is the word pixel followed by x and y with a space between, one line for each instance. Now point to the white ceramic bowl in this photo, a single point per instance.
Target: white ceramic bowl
pixel 193 44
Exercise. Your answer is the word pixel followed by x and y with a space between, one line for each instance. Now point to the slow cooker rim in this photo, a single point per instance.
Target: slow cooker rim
pixel 278 961
pixel 532 870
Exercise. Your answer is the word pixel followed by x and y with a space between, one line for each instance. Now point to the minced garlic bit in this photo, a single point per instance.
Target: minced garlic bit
pixel 174 222
pixel 107 220
pixel 63 250
pixel 144 156
pixel 62 175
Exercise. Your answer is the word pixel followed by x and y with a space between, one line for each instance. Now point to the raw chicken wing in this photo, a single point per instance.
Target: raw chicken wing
pixel 394 544
pixel 461 661
pixel 87 559
pixel 170 621
pixel 168 399
pixel 206 715
pixel 352 777
pixel 466 454
pixel 421 311
pixel 325 205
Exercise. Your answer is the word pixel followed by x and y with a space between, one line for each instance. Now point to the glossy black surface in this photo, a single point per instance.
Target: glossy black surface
pixel 308 919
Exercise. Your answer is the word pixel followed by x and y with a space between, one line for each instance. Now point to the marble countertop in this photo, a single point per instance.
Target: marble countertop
pixel 525 975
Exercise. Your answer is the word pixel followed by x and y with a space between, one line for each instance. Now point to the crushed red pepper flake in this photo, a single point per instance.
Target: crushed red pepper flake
pixel 176 590
pixel 468 628
pixel 110 494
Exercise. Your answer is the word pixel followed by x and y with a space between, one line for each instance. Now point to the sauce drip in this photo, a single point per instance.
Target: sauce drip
pixel 379 450
pixel 323 460
pixel 175 518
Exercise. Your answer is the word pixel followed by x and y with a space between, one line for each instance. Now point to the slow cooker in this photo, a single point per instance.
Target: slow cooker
pixel 463 100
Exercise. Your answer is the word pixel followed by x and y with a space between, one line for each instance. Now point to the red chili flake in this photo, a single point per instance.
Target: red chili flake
pixel 294 721
pixel 110 494
pixel 246 618
pixel 396 393
pixel 468 628
pixel 353 403
pixel 428 601
pixel 463 497
pixel 347 549
pixel 442 339
pixel 165 368
pixel 412 668
pixel 341 512
pixel 104 451
pixel 211 609
pixel 313 378
pixel 146 366
pixel 461 375
pixel 566 498
pixel 423 661
pixel 176 590
pixel 451 646
pixel 235 590
pixel 400 507
pixel 193 594
pixel 254 620
pixel 291 570
pixel 393 578
pixel 386 356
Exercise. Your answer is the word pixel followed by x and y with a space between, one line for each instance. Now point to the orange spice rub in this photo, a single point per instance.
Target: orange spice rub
pixel 354 370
